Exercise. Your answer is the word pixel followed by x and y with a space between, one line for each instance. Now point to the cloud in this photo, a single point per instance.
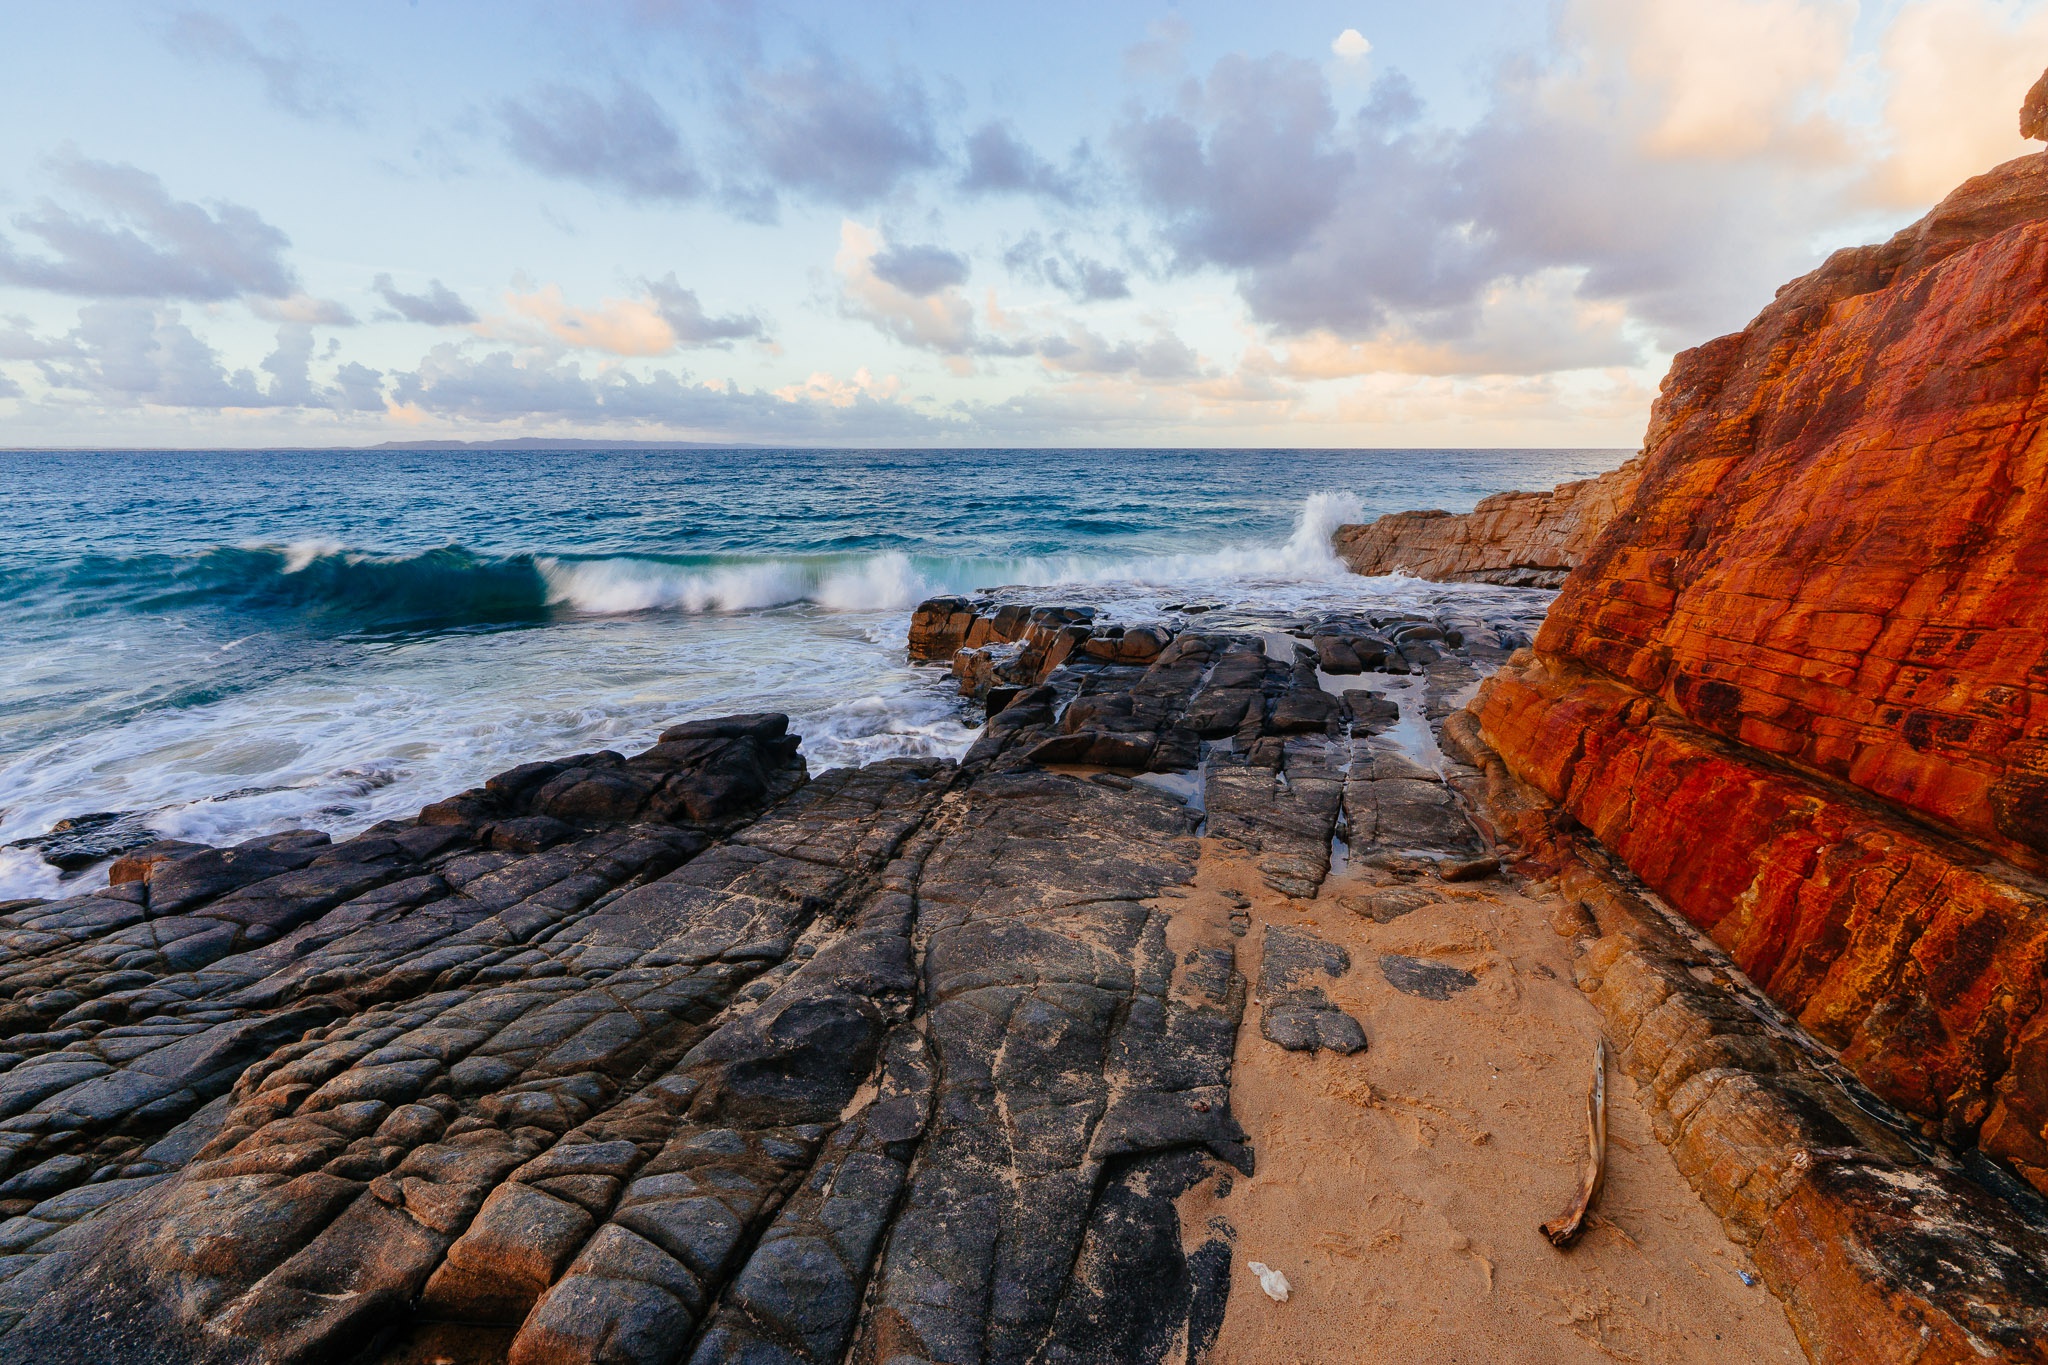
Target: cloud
pixel 1533 325
pixel 999 162
pixel 1654 155
pixel 501 387
pixel 1164 358
pixel 689 322
pixel 1720 81
pixel 1351 45
pixel 628 146
pixel 1249 173
pixel 1082 278
pixel 823 131
pixel 662 319
pixel 1958 70
pixel 919 271
pixel 147 244
pixel 305 309
pixel 439 306
pixel 823 387
pixel 936 319
pixel 292 80
pixel 132 354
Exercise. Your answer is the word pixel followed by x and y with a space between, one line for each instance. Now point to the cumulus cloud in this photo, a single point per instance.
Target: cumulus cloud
pixel 1533 325
pixel 1051 261
pixel 999 162
pixel 919 271
pixel 1351 45
pixel 1665 159
pixel 692 326
pixel 628 145
pixel 662 319
pixel 438 306
pixel 293 80
pixel 1163 358
pixel 821 130
pixel 1247 174
pixel 503 387
pixel 136 241
pixel 304 309
pixel 132 354
pixel 938 318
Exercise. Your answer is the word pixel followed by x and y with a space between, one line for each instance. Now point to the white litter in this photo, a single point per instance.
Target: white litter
pixel 1270 1280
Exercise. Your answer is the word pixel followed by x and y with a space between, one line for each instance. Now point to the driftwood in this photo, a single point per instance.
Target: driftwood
pixel 1562 1229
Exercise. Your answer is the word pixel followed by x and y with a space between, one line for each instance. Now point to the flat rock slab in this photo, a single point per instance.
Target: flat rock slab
pixel 1296 1014
pixel 1425 977
pixel 669 1058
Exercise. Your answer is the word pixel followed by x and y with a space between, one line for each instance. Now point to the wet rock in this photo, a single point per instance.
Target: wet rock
pixel 1368 713
pixel 75 844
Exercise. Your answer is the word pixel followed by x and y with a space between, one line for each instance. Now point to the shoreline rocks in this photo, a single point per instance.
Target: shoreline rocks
pixel 1797 687
pixel 1522 540
pixel 695 1056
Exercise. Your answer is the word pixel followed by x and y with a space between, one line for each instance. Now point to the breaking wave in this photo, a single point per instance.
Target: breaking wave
pixel 324 582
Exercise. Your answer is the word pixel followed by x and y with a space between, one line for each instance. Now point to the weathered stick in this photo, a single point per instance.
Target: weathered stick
pixel 1563 1229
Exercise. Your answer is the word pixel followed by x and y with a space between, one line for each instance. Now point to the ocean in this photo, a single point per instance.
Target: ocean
pixel 228 643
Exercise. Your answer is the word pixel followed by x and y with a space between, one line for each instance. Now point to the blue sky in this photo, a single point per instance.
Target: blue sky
pixel 1302 223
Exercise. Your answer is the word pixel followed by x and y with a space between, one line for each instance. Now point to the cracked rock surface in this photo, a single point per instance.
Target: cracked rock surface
pixel 695 1057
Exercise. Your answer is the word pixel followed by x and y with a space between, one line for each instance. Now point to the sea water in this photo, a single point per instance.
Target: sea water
pixel 232 643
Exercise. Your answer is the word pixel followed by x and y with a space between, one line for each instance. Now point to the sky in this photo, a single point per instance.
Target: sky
pixel 1474 223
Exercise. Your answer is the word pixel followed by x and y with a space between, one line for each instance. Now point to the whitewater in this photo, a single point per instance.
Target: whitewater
pixel 232 643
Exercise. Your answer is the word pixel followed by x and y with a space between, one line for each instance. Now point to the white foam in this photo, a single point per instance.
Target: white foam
pixel 611 587
pixel 888 582
pixel 301 553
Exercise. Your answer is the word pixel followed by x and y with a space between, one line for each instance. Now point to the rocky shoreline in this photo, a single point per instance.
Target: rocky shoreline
pixel 1236 937
pixel 685 1056
pixel 691 1056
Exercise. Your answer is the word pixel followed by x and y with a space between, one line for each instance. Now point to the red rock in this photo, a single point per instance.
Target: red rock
pixel 1800 684
pixel 1527 539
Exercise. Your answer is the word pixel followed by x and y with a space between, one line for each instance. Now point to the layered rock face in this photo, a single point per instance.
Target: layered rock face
pixel 1528 540
pixel 1800 684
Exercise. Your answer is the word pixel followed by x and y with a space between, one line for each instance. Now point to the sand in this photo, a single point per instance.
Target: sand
pixel 1399 1190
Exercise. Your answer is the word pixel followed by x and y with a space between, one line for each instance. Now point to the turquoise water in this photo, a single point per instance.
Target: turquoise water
pixel 234 642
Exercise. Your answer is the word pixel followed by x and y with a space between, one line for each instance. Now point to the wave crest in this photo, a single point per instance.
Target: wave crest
pixel 322 581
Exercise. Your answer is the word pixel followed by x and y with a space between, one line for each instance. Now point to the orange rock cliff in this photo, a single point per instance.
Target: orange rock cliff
pixel 1529 540
pixel 1799 684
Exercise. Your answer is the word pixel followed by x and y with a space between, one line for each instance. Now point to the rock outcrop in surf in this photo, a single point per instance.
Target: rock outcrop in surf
pixel 1524 540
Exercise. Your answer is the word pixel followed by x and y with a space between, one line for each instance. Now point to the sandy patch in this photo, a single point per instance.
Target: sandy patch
pixel 1399 1190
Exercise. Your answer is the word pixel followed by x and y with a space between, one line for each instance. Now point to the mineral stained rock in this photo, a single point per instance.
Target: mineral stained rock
pixel 1800 684
pixel 1529 540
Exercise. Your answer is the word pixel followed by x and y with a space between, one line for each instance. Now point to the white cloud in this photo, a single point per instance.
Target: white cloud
pixel 663 319
pixel 1351 45
pixel 1730 79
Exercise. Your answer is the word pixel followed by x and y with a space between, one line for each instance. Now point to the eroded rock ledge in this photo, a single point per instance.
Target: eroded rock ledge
pixel 1528 540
